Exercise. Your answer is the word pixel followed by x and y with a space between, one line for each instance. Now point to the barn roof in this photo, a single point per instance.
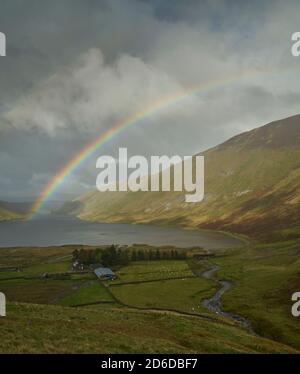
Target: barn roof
pixel 102 272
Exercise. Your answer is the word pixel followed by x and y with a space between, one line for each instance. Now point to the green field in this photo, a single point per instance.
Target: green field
pixel 265 277
pixel 34 328
pixel 182 295
pixel 146 309
pixel 37 291
pixel 162 284
pixel 29 256
pixel 53 267
pixel 152 270
pixel 30 286
pixel 91 292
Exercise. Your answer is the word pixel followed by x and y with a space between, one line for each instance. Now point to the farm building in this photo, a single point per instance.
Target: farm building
pixel 77 266
pixel 105 273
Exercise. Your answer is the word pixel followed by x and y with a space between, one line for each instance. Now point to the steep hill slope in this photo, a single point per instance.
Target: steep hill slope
pixel 252 186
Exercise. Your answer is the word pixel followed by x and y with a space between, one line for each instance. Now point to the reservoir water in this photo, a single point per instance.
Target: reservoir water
pixel 50 230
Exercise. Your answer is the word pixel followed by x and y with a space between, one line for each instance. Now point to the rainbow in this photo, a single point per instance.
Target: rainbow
pixel 89 150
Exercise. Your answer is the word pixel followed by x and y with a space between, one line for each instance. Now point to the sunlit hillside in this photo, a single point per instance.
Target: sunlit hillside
pixel 252 186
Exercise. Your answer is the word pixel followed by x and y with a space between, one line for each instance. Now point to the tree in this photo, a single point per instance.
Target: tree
pixel 98 255
pixel 75 255
pixel 112 257
pixel 157 255
pixel 150 255
pixel 124 258
pixel 133 255
pixel 83 256
pixel 140 255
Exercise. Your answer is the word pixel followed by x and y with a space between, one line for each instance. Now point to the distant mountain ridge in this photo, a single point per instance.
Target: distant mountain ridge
pixel 252 186
pixel 284 132
pixel 6 213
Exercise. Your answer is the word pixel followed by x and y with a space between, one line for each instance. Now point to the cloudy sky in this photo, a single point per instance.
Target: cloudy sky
pixel 75 68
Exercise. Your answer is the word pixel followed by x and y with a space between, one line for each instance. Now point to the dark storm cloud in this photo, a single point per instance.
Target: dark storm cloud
pixel 216 12
pixel 44 35
pixel 76 67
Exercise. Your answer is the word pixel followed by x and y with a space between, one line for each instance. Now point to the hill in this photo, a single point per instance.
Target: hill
pixel 139 312
pixel 252 186
pixel 32 328
pixel 6 213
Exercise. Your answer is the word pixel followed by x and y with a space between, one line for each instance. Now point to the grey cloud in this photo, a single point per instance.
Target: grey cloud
pixel 91 95
pixel 75 68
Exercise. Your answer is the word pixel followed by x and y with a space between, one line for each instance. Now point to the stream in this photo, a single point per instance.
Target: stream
pixel 214 304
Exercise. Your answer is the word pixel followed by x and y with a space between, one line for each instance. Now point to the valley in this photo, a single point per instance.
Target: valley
pixel 213 277
pixel 251 188
pixel 46 297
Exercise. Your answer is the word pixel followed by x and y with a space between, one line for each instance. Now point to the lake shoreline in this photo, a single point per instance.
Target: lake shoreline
pixel 57 230
pixel 244 239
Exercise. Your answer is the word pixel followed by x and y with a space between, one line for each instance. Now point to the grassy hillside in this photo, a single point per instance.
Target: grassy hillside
pixel 264 276
pixel 6 213
pixel 31 328
pixel 252 186
pixel 152 306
